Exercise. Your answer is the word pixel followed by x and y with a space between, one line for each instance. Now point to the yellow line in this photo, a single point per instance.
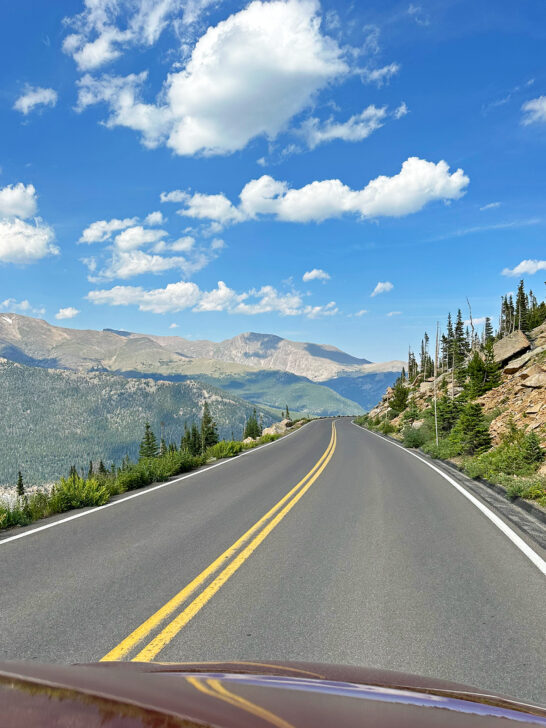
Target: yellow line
pixel 217 690
pixel 140 633
pixel 172 629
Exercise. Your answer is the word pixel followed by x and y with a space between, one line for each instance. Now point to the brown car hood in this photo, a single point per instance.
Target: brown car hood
pixel 240 694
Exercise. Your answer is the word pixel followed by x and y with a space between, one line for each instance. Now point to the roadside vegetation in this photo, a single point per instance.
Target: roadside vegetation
pixel 158 461
pixel 435 405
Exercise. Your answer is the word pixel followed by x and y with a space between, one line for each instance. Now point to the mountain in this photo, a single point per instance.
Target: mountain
pixel 324 380
pixel 97 415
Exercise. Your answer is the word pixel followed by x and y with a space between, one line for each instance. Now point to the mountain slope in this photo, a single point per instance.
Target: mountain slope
pixel 52 419
pixel 324 380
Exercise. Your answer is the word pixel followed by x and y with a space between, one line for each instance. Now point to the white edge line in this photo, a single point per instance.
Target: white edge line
pixel 537 560
pixel 141 492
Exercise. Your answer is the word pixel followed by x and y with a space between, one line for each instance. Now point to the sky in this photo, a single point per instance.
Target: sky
pixel 344 173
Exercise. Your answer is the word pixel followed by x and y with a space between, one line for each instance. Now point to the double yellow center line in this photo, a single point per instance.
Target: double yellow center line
pixel 232 559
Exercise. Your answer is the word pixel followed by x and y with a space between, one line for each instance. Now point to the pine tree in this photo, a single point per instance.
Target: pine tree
pixel 90 470
pixel 195 440
pixel 252 428
pixel 411 413
pixel 449 410
pixel 522 307
pixel 20 485
pixel 471 431
pixel 287 413
pixel 102 469
pixel 413 369
pixel 209 431
pixel 532 450
pixel 492 369
pixel 488 333
pixel 148 446
pixel 162 447
pixel 476 373
pixel 399 399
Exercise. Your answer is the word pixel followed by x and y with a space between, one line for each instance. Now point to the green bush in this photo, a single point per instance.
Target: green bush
pixel 445 449
pixel 532 488
pixel 413 437
pixel 386 428
pixel 519 453
pixel 75 492
pixel 225 449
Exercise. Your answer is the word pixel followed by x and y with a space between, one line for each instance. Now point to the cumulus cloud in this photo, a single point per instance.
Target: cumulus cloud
pixel 382 287
pixel 187 295
pixel 135 237
pixel 18 200
pixel 137 262
pixel 529 267
pixel 102 230
pixel 67 313
pixel 534 111
pixel 23 242
pixel 418 183
pixel 12 305
pixel 317 274
pixel 35 96
pixel 270 57
pixel 154 218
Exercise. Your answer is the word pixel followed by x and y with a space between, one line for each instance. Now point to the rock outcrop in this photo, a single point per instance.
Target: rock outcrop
pixel 509 347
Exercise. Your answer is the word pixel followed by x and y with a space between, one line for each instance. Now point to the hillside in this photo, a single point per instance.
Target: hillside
pixel 325 380
pixel 52 419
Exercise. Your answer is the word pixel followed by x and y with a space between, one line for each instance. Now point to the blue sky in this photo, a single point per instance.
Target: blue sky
pixel 400 144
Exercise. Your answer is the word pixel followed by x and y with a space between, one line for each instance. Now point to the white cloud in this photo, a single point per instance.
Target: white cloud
pixel 186 295
pixel 102 230
pixel 394 313
pixel 134 237
pixel 18 200
pixel 401 111
pixel 357 128
pixel 381 75
pixel 23 242
pixel 174 196
pixel 173 326
pixel 534 111
pixel 418 14
pixel 362 312
pixel 184 244
pixel 270 58
pixel 211 207
pixel 477 321
pixel 137 262
pixel 317 274
pixel 67 313
pixel 529 267
pixel 35 96
pixel 154 218
pixel 12 305
pixel 105 28
pixel 382 287
pixel 418 183
pixel 490 206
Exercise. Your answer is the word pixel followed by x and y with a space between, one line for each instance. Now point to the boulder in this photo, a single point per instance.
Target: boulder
pixel 516 364
pixel 535 381
pixel 247 440
pixel 509 347
pixel 417 424
pixel 538 334
pixel 277 428
pixel 287 423
pixel 426 387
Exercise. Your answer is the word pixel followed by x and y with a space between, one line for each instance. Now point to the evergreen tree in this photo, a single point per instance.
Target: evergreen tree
pixel 471 431
pixel 449 410
pixel 102 469
pixel 476 373
pixel 195 440
pixel 148 446
pixel 73 473
pixel 522 307
pixel 185 440
pixel 459 342
pixel 20 485
pixel 162 447
pixel 488 333
pixel 400 394
pixel 492 369
pixel 287 413
pixel 532 450
pixel 209 431
pixel 413 369
pixel 90 470
pixel 252 428
pixel 411 413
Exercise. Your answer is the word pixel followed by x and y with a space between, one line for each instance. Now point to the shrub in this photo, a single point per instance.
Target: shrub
pixel 267 438
pixel 445 449
pixel 225 449
pixel 533 488
pixel 519 453
pixel 386 428
pixel 413 437
pixel 75 492
pixel 471 432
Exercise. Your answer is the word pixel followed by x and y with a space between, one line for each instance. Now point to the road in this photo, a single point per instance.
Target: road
pixel 374 560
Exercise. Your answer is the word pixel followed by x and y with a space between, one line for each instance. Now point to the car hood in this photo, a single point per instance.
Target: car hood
pixel 239 694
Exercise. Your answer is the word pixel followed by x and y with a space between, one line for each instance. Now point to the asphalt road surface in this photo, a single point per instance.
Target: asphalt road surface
pixel 329 545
